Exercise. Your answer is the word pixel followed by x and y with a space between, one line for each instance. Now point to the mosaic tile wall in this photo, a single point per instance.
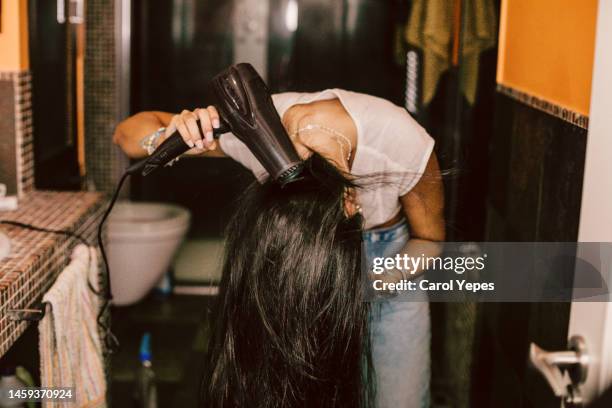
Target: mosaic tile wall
pixel 105 162
pixel 16 148
pixel 576 119
pixel 38 257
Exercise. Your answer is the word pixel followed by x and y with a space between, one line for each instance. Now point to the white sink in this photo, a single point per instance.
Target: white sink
pixel 5 246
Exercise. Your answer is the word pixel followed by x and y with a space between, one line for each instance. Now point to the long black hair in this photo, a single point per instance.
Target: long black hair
pixel 291 326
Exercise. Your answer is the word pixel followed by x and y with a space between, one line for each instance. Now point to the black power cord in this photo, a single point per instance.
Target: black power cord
pixel 112 343
pixel 50 231
pixel 67 233
pixel 110 340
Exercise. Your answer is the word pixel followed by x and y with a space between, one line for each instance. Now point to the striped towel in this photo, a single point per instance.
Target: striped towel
pixel 70 348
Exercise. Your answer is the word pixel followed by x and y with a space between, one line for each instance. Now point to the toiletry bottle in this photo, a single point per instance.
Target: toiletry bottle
pixel 165 285
pixel 7 203
pixel 147 390
pixel 8 382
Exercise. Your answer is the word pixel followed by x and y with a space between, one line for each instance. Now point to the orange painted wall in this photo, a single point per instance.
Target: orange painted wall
pixel 546 49
pixel 14 36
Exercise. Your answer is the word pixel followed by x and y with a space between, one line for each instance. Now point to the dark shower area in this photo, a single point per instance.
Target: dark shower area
pixel 359 45
pixel 179 45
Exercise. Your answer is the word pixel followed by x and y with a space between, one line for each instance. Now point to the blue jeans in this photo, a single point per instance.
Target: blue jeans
pixel 400 333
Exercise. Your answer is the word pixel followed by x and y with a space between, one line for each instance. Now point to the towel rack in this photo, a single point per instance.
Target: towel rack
pixel 32 314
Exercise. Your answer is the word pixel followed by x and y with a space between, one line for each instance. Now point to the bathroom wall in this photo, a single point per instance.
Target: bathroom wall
pixel 104 161
pixel 544 85
pixel 537 155
pixel 16 150
pixel 14 36
pixel 558 34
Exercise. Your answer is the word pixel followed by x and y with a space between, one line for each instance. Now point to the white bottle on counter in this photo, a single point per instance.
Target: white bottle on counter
pixel 7 203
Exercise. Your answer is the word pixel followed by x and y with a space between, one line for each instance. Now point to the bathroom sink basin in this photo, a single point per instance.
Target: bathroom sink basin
pixel 5 246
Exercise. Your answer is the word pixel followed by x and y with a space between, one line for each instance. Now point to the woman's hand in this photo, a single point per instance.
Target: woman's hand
pixel 198 136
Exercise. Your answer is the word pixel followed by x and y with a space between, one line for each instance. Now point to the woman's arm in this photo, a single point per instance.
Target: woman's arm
pixel 130 132
pixel 424 205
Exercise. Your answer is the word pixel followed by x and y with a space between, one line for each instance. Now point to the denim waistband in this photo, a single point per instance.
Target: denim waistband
pixel 386 234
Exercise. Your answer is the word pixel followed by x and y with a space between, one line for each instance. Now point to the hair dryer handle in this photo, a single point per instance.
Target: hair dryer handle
pixel 171 148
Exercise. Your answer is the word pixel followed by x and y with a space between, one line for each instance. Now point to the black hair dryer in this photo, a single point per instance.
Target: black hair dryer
pixel 246 109
pixel 244 102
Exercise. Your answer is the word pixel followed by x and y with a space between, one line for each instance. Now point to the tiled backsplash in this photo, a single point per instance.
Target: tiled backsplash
pixel 105 161
pixel 16 144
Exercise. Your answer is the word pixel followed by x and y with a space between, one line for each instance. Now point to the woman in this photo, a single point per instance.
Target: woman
pixel 361 135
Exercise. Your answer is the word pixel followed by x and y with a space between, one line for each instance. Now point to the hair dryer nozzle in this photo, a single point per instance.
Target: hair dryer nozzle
pixel 244 102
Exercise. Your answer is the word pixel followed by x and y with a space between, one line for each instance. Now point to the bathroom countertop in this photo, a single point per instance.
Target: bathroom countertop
pixel 36 258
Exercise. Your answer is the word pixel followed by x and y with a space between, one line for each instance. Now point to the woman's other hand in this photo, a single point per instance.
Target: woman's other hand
pixel 197 135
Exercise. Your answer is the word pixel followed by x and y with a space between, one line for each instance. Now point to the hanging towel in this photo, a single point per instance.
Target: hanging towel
pixel 430 28
pixel 479 33
pixel 70 347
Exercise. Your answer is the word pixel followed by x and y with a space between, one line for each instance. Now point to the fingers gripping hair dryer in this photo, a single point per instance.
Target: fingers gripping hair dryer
pixel 246 109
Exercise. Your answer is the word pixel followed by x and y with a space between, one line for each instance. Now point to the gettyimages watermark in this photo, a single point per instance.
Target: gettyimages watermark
pixel 488 272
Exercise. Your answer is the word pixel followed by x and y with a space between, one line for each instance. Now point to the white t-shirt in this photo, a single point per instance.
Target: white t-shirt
pixel 390 144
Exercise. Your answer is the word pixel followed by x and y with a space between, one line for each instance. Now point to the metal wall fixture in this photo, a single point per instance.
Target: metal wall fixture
pixel 32 314
pixel 412 82
pixel 565 371
pixel 76 11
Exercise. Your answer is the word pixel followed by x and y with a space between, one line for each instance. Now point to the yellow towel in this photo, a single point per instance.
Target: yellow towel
pixel 430 28
pixel 70 348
